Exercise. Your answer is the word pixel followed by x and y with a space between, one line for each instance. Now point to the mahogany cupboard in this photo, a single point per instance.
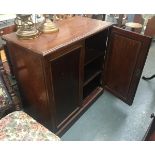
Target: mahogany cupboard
pixel 61 74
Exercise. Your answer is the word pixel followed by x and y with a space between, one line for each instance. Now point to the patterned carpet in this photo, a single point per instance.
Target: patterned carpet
pixel 4 96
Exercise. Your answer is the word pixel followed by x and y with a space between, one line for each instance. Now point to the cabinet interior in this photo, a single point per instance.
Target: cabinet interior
pixel 93 62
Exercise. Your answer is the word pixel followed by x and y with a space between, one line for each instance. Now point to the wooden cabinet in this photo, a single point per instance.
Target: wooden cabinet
pixel 61 74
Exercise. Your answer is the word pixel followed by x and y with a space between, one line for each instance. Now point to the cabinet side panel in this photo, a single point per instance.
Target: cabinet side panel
pixel 28 69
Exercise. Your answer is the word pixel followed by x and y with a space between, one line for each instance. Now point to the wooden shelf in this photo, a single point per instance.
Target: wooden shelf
pixel 92 95
pixel 91 86
pixel 92 70
pixel 92 54
pixel 91 75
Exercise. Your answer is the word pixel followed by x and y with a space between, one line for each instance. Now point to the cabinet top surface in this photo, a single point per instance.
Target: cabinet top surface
pixel 70 30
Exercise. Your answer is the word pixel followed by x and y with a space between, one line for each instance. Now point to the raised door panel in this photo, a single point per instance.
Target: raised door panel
pixel 126 55
pixel 65 79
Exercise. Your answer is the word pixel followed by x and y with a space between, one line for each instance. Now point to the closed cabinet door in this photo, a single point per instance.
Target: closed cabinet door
pixel 125 58
pixel 66 87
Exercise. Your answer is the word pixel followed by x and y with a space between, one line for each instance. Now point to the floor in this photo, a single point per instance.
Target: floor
pixel 109 119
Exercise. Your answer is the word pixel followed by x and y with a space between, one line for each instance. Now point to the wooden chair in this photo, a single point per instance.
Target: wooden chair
pixel 9 100
pixel 137 24
pixel 138 18
pixel 150 27
pixel 8 86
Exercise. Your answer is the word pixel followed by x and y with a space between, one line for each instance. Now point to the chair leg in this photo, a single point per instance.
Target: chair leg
pixel 148 78
pixel 11 88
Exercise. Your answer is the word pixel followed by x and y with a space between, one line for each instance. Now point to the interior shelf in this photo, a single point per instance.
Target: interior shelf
pixel 91 86
pixel 92 54
pixel 90 75
pixel 92 70
pixel 92 96
pixel 95 47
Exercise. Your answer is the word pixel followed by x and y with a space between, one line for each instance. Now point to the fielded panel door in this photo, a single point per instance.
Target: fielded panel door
pixel 66 78
pixel 126 55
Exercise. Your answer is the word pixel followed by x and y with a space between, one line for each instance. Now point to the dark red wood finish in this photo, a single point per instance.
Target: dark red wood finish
pixel 61 74
pixel 71 30
pixel 7 30
pixel 50 70
pixel 150 27
pixel 31 77
pixel 126 55
pixel 65 76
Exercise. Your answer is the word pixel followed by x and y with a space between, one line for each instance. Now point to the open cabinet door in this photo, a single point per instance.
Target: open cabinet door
pixel 125 58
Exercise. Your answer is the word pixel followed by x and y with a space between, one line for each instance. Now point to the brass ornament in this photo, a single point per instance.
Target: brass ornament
pixel 25 27
pixel 48 26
